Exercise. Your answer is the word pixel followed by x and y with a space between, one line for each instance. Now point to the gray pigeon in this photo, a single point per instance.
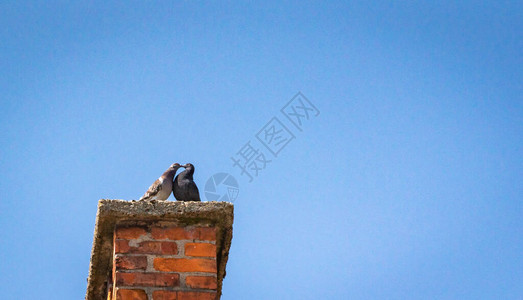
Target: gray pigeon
pixel 184 188
pixel 162 187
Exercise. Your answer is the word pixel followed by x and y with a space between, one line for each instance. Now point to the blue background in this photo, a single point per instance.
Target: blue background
pixel 408 185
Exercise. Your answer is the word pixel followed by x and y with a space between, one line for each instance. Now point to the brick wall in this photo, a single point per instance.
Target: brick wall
pixel 163 261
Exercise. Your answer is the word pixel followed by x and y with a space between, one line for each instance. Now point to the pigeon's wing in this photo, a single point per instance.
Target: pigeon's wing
pixel 194 194
pixel 176 188
pixel 153 190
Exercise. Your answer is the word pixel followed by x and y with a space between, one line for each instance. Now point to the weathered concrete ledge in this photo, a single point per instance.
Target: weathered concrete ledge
pixel 111 212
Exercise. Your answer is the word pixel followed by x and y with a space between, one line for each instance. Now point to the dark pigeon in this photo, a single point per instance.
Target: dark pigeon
pixel 184 188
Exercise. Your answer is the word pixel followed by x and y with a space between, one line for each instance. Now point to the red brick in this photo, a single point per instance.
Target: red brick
pixel 131 262
pixel 125 294
pixel 207 233
pixel 130 233
pixel 200 249
pixel 164 295
pixel 153 247
pixel 185 265
pixel 196 296
pixel 147 279
pixel 174 233
pixel 201 282
pixel 121 246
pixel 148 247
pixel 169 248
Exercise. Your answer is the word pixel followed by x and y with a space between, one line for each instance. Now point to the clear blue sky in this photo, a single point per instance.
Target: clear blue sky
pixel 408 185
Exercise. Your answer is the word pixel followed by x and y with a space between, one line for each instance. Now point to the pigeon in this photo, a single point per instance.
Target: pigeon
pixel 184 188
pixel 162 187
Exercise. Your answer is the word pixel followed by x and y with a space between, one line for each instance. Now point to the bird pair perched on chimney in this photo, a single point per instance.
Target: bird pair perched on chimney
pixel 183 186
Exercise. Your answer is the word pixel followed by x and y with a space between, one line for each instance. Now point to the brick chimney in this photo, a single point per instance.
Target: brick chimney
pixel 159 250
